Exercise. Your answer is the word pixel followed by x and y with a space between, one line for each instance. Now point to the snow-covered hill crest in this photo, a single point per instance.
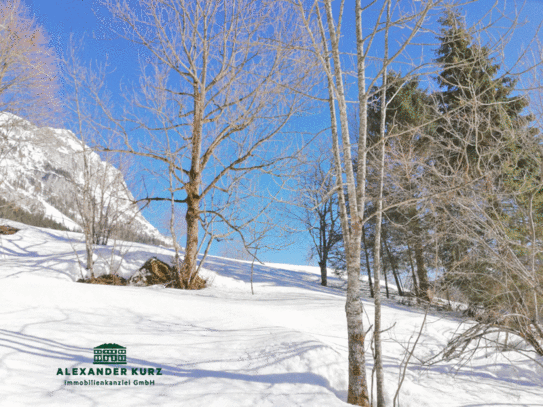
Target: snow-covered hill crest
pixel 42 171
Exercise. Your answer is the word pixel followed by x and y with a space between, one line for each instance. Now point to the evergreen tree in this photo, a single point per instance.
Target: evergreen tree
pixel 409 112
pixel 494 255
pixel 479 116
pixel 479 107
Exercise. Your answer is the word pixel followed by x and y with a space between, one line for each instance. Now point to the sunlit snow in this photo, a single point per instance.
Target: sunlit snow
pixel 286 345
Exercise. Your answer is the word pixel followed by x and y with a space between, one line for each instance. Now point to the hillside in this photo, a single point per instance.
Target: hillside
pixel 42 173
pixel 221 346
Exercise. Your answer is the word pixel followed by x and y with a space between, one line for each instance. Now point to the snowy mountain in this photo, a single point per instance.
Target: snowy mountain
pixel 44 170
pixel 284 346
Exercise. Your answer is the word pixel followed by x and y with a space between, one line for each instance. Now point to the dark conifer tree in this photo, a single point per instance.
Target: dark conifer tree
pixel 479 105
pixel 482 120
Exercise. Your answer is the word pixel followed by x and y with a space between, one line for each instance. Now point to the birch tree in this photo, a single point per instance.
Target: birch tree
pixel 325 31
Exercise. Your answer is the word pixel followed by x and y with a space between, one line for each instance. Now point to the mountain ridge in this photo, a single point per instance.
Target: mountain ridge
pixel 43 170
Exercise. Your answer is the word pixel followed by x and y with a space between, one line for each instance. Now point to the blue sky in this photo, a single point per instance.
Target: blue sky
pixel 88 19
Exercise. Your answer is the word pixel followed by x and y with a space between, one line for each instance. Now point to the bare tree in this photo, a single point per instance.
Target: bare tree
pixel 28 72
pixel 316 206
pixel 213 82
pixel 325 32
pixel 102 204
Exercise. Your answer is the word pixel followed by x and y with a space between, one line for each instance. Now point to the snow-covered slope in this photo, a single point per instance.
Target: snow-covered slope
pixel 286 345
pixel 41 170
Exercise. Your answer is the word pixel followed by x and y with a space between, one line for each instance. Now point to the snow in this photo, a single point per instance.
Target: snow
pixel 41 171
pixel 221 346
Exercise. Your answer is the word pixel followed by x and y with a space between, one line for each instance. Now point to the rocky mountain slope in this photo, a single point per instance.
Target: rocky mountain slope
pixel 51 172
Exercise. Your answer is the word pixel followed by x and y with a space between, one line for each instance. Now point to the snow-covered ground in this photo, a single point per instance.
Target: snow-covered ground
pixel 221 346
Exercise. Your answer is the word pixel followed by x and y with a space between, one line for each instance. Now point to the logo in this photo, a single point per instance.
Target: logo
pixel 109 354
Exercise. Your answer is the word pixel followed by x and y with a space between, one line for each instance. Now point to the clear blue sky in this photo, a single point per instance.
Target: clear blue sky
pixel 62 18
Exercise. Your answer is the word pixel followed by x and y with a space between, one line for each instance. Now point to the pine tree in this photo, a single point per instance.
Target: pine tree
pixel 409 112
pixel 493 256
pixel 479 115
pixel 479 105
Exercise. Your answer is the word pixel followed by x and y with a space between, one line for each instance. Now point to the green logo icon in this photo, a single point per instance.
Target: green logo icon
pixel 110 354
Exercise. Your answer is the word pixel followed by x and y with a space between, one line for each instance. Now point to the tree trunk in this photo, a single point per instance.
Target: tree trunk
pixel 422 274
pixel 352 233
pixel 173 232
pixel 358 389
pixel 323 249
pixel 413 274
pixel 378 357
pixel 368 268
pixel 90 260
pixel 386 280
pixel 322 265
pixel 421 271
pixel 189 269
pixel 394 269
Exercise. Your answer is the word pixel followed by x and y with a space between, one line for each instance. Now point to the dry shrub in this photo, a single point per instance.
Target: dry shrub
pixel 106 279
pixel 7 230
pixel 155 271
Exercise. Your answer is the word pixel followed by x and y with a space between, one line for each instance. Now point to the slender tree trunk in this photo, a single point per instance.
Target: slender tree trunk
pixel 368 268
pixel 392 261
pixel 386 280
pixel 378 225
pixel 413 274
pixel 358 389
pixel 90 252
pixel 323 250
pixel 384 265
pixel 377 291
pixel 421 272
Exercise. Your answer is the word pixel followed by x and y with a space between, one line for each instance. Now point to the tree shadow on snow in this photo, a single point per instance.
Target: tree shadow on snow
pixel 70 356
pixel 274 276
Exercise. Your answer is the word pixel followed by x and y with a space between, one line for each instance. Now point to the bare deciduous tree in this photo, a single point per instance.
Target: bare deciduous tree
pixel 316 206
pixel 102 202
pixel 213 83
pixel 28 72
pixel 325 32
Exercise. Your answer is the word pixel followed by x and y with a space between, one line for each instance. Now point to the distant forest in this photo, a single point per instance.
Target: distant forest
pixel 11 211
